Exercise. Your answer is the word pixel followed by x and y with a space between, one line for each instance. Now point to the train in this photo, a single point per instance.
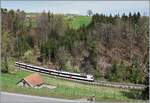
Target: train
pixel 60 73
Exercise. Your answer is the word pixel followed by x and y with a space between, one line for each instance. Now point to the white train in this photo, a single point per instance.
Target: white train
pixel 56 72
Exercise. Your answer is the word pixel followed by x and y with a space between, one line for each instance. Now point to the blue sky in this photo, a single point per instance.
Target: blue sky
pixel 79 7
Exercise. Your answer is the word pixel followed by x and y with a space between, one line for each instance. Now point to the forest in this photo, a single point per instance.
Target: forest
pixel 112 48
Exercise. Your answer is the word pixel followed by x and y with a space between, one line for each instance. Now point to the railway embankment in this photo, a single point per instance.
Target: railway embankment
pixel 99 83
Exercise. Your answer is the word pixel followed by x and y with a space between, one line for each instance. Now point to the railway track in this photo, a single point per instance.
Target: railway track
pixel 109 84
pixel 99 83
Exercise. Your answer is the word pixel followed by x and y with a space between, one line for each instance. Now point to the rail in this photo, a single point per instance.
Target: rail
pixel 99 83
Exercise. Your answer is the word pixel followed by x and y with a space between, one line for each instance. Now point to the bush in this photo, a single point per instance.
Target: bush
pixel 70 68
pixel 96 73
pixel 117 73
pixel 4 65
pixel 29 57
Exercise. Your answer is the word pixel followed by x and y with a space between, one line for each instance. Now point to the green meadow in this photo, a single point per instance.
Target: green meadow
pixel 67 89
pixel 77 21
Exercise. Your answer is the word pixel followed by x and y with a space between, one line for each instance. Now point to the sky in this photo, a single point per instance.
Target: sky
pixel 80 7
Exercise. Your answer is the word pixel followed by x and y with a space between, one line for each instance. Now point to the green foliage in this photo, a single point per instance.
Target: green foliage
pixel 5 44
pixel 21 45
pixel 67 66
pixel 102 19
pixel 118 72
pixel 93 54
pixel 69 38
pixel 77 21
pixel 146 82
pixel 48 49
pixel 136 74
pixel 30 41
pixel 63 58
pixel 13 24
pixel 29 57
pixel 96 73
pixel 4 65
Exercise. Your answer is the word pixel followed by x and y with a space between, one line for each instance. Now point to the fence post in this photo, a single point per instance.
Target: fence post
pixel 19 66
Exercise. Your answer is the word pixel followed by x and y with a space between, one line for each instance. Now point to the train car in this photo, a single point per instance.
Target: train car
pixel 56 72
pixel 77 76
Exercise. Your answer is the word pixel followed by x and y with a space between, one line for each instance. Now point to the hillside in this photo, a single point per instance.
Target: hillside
pixel 67 89
pixel 112 48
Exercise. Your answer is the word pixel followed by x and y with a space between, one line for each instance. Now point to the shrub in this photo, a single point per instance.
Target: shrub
pixel 4 65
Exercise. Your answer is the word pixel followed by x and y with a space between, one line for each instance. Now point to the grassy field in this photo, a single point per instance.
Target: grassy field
pixel 77 21
pixel 67 89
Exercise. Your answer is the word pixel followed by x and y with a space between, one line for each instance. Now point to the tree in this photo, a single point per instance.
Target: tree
pixel 117 72
pixel 52 27
pixel 43 25
pixel 5 52
pixel 63 58
pixel 124 17
pixel 89 12
pixel 4 65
